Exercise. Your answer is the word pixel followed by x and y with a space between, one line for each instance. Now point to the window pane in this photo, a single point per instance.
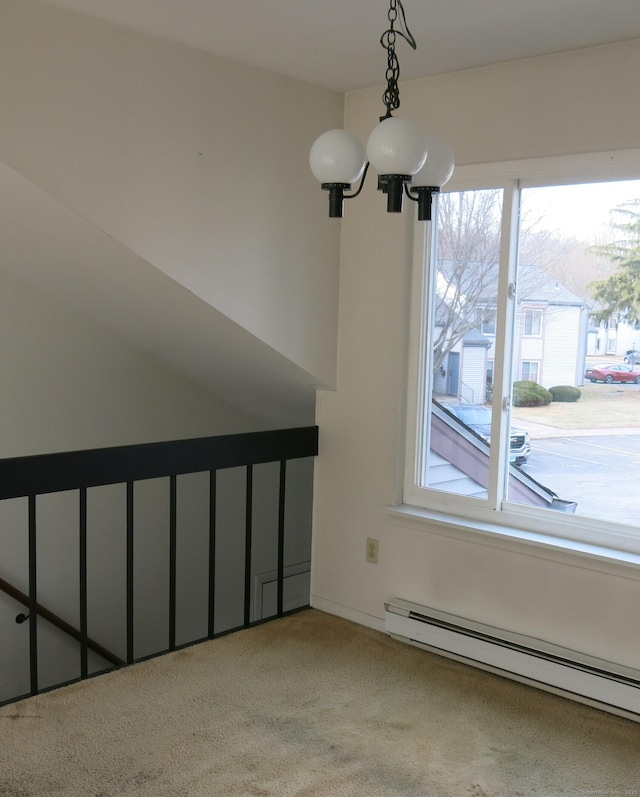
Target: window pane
pixel 488 325
pixel 530 371
pixel 532 323
pixel 462 333
pixel 585 453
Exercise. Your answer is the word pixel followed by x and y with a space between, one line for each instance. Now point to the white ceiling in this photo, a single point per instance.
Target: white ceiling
pixel 335 43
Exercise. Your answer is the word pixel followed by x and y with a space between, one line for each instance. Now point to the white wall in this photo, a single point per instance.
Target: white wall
pixel 196 163
pixel 69 384
pixel 572 103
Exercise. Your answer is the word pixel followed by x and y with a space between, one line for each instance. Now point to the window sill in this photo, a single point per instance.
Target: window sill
pixel 527 542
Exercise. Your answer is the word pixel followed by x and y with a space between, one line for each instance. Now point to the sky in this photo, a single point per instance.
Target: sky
pixel 580 210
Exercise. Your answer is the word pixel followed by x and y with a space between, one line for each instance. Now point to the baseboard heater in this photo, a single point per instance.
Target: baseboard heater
pixel 598 683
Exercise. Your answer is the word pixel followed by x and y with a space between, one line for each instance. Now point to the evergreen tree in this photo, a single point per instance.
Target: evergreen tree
pixel 619 294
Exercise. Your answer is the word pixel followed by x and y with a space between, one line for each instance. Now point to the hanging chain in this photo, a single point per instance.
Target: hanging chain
pixel 391 96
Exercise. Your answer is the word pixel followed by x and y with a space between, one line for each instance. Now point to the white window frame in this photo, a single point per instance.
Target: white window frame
pixel 530 363
pixel 493 516
pixel 488 327
pixel 532 312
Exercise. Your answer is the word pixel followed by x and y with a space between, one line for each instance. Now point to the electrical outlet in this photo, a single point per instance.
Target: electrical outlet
pixel 372 551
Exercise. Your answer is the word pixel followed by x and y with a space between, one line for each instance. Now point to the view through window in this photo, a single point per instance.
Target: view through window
pixel 585 242
pixel 572 357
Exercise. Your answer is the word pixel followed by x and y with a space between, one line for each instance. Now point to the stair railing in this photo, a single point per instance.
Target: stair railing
pixel 34 476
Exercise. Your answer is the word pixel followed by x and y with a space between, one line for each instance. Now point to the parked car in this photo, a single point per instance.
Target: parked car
pixel 632 357
pixel 478 418
pixel 612 373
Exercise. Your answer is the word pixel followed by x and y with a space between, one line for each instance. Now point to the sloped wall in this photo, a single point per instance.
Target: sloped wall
pixel 123 154
pixel 69 384
pixel 196 163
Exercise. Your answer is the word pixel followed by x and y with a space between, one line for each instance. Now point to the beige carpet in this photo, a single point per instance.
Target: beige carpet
pixel 311 705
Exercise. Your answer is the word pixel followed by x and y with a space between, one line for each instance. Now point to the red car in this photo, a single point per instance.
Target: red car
pixel 612 373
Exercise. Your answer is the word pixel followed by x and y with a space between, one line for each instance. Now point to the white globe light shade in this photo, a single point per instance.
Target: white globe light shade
pixel 439 165
pixel 337 157
pixel 396 146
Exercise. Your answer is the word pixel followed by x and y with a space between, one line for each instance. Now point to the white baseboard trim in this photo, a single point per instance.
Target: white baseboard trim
pixel 347 613
pixel 603 693
pixel 601 684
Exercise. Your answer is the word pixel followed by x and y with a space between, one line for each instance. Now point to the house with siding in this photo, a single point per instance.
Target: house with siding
pixel 550 341
pixel 612 337
pixel 551 332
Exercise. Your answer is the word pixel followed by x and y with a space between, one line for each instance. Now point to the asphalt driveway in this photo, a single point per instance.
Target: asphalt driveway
pixel 601 472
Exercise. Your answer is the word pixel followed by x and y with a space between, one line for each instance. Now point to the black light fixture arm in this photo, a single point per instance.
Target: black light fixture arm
pixel 337 194
pixel 361 186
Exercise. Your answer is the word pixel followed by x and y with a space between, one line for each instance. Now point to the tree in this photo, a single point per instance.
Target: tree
pixel 469 228
pixel 619 294
pixel 468 251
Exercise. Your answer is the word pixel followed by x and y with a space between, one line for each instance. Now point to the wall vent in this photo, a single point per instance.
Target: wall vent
pixel 605 685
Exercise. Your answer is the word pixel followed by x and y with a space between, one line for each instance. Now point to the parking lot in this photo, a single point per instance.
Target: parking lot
pixel 601 472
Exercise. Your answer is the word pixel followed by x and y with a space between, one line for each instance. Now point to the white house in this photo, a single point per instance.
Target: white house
pixel 550 342
pixel 612 337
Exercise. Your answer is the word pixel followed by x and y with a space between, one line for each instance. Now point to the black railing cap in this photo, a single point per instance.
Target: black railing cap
pixel 72 470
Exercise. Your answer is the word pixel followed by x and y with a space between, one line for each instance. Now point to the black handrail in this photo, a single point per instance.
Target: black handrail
pixel 58 622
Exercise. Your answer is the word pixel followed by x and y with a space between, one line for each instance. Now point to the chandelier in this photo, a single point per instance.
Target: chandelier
pixel 408 161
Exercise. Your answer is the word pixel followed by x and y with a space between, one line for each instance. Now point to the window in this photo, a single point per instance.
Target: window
pixel 489 380
pixel 533 323
pixel 502 297
pixel 489 323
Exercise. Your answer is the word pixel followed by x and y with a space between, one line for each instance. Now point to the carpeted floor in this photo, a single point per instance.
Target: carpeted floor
pixel 311 705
